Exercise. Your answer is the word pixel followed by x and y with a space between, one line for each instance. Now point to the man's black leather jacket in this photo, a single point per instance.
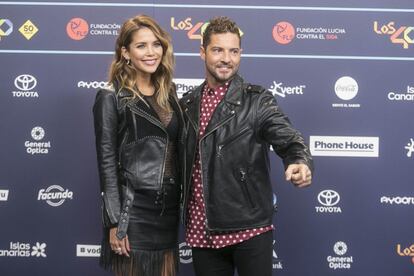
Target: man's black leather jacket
pixel 234 155
pixel 131 145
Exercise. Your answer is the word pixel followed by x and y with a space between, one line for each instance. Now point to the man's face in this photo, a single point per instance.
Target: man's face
pixel 222 58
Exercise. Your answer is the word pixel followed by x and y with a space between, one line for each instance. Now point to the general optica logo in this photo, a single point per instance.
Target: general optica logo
pixel 283 32
pixel 77 28
pixel 37 146
pixel 403 35
pixel 406 251
pixel 340 261
pixel 6 27
pixel 54 195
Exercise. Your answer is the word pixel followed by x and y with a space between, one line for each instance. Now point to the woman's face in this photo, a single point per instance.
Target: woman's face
pixel 145 51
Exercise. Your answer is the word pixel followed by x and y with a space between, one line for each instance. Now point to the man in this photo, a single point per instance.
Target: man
pixel 227 198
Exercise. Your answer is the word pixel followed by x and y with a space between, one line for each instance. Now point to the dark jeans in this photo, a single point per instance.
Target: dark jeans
pixel 251 257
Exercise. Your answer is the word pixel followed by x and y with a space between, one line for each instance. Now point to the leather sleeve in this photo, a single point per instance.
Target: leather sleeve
pixel 274 127
pixel 105 114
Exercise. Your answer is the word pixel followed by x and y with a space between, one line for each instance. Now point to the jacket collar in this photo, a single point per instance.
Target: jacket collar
pixel 232 99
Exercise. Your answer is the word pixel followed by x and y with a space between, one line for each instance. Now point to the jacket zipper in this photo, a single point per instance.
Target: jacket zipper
pixel 201 163
pixel 230 140
pixel 244 185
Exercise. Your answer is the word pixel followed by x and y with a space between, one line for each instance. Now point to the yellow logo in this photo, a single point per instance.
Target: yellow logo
pixel 28 29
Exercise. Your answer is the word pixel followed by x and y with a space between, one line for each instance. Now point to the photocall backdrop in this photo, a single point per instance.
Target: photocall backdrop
pixel 342 71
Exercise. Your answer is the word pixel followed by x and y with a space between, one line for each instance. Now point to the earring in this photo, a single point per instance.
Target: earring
pixel 128 62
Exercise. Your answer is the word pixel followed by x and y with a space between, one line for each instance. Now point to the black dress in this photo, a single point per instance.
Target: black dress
pixel 154 217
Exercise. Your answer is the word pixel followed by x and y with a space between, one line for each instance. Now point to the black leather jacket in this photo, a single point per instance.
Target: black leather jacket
pixel 131 145
pixel 234 155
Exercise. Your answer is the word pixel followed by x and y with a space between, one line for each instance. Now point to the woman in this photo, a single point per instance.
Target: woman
pixel 138 128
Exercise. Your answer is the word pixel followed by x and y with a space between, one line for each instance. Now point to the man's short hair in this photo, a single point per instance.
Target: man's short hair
pixel 220 25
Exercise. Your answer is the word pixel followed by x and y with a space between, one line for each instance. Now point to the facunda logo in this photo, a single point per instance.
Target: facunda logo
pixel 349 146
pixel 54 195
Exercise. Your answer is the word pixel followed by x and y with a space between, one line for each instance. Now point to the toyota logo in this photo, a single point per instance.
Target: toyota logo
pixel 328 198
pixel 25 82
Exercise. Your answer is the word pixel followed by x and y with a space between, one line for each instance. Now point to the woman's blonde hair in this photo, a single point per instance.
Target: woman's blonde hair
pixel 122 75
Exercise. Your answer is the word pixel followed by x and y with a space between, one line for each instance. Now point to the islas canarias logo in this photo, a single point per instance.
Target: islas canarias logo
pixel 403 35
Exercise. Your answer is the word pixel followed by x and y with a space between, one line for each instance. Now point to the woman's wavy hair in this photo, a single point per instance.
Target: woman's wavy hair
pixel 123 76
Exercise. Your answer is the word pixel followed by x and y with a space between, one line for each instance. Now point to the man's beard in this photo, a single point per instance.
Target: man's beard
pixel 220 79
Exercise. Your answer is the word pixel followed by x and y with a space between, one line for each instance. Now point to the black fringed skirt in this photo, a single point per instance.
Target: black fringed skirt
pixel 152 233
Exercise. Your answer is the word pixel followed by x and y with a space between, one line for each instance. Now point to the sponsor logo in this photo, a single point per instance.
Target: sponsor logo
pixel 194 30
pixel 408 96
pixel 54 195
pixel 92 84
pixel 340 261
pixel 88 250
pixel 37 146
pixel 346 88
pixel 19 249
pixel 4 195
pixel 346 146
pixel 186 255
pixel 184 85
pixel 328 199
pixel 28 29
pixel 25 84
pixel 406 251
pixel 79 28
pixel 285 32
pixel 6 27
pixel 277 262
pixel 278 89
pixel 398 200
pixel 410 148
pixel 403 35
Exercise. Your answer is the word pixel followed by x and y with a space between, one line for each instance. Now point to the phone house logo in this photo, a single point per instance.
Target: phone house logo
pixel 346 146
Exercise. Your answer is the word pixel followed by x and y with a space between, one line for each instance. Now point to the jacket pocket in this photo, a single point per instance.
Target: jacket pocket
pixel 244 180
pixel 230 140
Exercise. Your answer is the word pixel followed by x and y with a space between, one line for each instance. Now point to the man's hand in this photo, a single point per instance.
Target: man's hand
pixel 299 175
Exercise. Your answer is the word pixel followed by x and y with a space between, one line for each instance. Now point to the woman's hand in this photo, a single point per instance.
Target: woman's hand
pixel 120 247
